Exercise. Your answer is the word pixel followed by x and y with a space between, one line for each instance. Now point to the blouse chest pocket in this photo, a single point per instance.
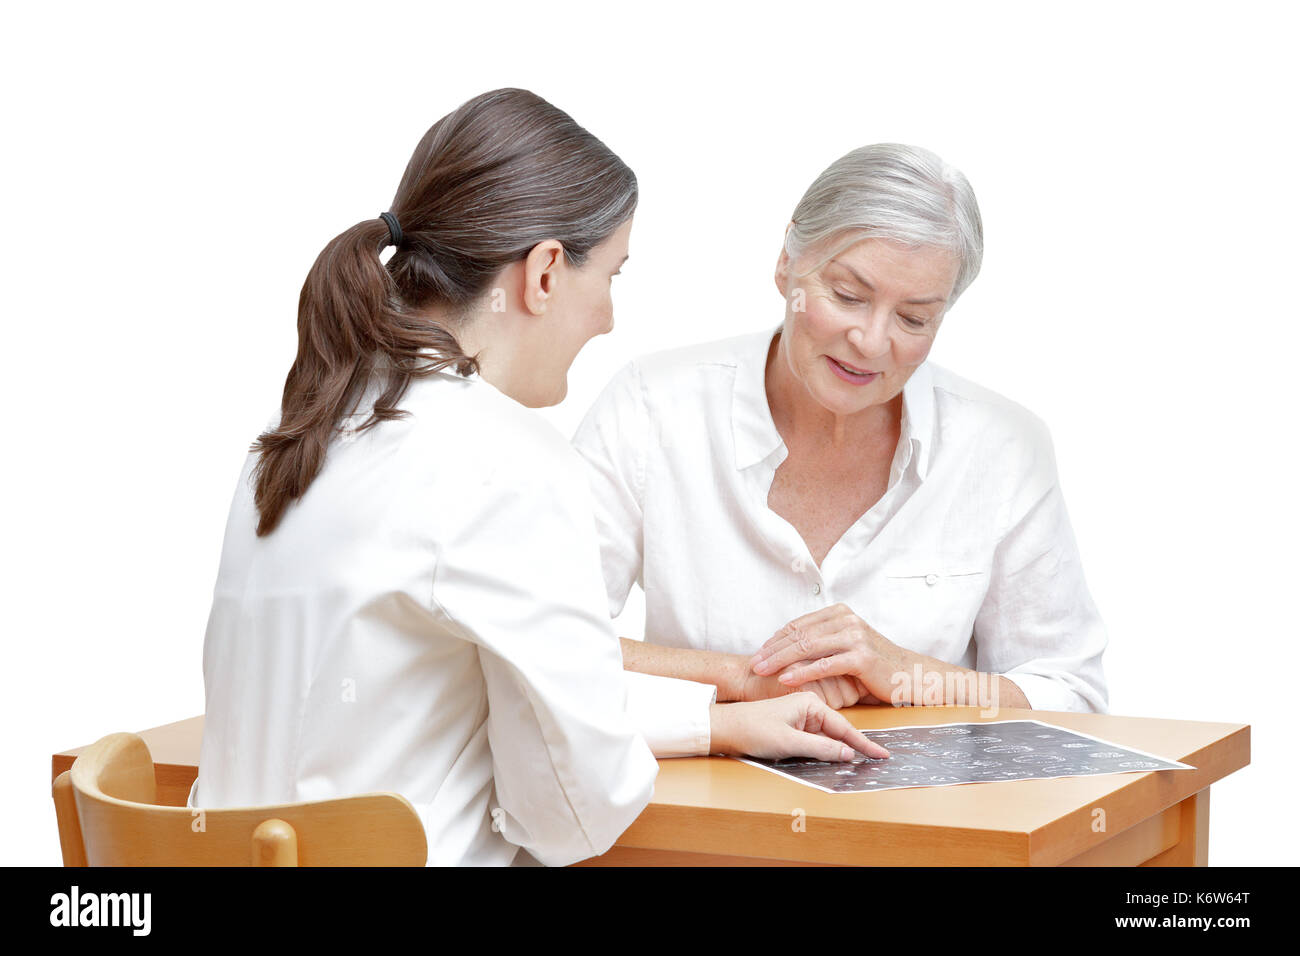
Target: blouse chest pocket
pixel 931 604
pixel 934 574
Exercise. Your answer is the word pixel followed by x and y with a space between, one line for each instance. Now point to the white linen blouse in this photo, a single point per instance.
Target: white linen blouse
pixel 968 557
pixel 429 619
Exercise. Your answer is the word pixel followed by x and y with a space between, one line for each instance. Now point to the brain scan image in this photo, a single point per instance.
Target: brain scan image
pixel 946 755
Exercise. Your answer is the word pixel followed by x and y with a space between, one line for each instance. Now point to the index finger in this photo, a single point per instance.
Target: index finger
pixel 835 724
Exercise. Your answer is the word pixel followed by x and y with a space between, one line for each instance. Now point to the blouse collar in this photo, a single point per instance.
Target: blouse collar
pixel 755 432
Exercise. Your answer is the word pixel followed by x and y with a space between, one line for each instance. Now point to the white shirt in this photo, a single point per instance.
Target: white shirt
pixel 968 557
pixel 429 619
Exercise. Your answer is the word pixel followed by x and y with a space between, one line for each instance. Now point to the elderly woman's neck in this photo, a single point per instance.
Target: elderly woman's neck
pixel 802 420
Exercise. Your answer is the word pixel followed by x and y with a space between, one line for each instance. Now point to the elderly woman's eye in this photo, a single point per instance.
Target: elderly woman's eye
pixel 912 322
pixel 846 299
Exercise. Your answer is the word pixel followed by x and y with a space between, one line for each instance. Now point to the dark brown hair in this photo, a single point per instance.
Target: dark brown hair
pixel 487 182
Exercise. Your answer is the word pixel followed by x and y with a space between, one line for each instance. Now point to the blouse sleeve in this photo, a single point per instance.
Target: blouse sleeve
pixel 518 575
pixel 612 440
pixel 672 714
pixel 1038 625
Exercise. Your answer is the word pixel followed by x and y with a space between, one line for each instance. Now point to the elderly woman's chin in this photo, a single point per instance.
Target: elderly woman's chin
pixel 836 390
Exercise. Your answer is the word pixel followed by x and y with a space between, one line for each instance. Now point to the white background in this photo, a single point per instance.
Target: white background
pixel 169 177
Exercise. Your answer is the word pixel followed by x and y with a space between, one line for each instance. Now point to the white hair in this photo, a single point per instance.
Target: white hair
pixel 892 191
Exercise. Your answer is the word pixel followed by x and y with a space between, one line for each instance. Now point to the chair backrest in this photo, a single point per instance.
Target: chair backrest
pixel 108 817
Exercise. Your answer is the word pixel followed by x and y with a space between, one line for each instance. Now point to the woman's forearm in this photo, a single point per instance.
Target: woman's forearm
pixel 724 671
pixel 923 680
pixel 917 680
pixel 1010 695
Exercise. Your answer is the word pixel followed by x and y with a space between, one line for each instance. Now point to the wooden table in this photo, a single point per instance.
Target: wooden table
pixel 716 811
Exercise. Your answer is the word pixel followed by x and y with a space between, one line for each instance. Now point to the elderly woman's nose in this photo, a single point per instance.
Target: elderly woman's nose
pixel 871 336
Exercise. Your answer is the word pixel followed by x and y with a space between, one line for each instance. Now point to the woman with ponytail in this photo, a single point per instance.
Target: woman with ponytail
pixel 410 596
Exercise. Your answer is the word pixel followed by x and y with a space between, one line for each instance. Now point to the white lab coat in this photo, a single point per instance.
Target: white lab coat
pixel 430 619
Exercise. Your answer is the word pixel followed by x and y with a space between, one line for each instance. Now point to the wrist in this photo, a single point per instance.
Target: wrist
pixel 900 676
pixel 727 729
pixel 730 673
pixel 1007 693
pixel 920 681
pixel 717 729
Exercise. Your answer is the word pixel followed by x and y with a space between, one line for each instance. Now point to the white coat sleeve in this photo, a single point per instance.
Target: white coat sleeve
pixel 518 574
pixel 672 714
pixel 1038 626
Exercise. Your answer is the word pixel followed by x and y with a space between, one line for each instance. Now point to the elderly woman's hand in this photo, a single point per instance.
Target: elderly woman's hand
pixel 736 681
pixel 836 692
pixel 832 643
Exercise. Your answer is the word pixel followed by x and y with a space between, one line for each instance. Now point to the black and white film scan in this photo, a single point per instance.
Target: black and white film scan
pixel 943 755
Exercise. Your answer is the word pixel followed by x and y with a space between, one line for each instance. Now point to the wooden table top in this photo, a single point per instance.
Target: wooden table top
pixel 1013 822
pixel 719 806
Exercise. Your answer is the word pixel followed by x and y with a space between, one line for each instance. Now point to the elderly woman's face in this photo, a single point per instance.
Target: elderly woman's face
pixel 857 326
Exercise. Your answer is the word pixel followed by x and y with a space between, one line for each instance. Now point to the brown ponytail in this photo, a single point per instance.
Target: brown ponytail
pixel 487 182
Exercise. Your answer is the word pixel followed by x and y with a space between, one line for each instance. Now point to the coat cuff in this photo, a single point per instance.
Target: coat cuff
pixel 672 715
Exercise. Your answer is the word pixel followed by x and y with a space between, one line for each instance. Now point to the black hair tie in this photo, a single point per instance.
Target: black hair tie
pixel 394 230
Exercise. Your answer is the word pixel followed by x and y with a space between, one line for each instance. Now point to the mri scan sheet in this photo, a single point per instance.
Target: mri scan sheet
pixel 943 755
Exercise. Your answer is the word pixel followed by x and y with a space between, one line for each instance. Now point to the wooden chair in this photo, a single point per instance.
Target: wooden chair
pixel 108 817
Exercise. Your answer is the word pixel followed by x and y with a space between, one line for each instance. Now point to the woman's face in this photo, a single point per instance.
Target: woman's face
pixel 857 326
pixel 580 307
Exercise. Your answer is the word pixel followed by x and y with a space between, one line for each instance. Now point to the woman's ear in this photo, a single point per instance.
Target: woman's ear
pixel 541 273
pixel 783 273
pixel 783 265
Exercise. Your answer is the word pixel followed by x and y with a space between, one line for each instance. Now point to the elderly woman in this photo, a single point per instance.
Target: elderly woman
pixel 817 506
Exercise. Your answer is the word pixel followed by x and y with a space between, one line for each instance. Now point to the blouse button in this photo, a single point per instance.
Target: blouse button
pixel 817 589
pixel 932 579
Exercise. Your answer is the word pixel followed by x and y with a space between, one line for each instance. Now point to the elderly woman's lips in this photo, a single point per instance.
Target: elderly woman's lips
pixel 849 375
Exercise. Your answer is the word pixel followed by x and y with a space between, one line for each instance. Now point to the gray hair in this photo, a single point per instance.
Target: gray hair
pixel 892 191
